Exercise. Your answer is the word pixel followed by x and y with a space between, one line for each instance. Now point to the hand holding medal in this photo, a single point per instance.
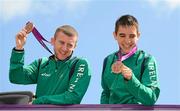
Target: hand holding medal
pixel 21 37
pixel 116 67
pixel 119 68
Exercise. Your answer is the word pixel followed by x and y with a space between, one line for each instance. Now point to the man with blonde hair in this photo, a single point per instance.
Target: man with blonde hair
pixel 60 78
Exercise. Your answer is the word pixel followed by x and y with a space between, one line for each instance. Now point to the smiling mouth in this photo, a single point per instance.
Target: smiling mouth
pixel 127 46
pixel 63 53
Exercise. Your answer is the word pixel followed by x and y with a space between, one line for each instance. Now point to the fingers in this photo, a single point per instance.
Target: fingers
pixel 119 68
pixel 126 72
pixel 26 30
pixel 21 39
pixel 22 33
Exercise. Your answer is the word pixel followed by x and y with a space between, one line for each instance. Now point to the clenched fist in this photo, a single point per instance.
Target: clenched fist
pixel 22 35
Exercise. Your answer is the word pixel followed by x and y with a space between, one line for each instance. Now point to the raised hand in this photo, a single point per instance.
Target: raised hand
pixel 22 35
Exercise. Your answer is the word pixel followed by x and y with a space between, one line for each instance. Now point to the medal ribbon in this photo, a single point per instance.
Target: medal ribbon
pixel 121 58
pixel 40 38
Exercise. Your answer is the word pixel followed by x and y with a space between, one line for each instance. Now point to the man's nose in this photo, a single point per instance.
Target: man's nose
pixel 127 40
pixel 64 47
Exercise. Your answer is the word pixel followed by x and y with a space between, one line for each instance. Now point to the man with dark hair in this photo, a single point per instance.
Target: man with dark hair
pixel 129 75
pixel 60 78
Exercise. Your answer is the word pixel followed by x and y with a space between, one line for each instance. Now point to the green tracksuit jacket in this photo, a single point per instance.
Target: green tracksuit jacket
pixel 54 86
pixel 142 88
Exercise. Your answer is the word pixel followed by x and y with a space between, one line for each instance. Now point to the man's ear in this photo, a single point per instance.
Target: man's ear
pixel 75 45
pixel 52 41
pixel 114 34
pixel 138 35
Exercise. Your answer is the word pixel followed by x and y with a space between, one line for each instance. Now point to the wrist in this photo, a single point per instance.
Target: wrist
pixel 18 49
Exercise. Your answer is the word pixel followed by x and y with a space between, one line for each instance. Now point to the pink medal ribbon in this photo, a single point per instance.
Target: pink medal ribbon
pixel 38 36
pixel 121 58
pixel 117 66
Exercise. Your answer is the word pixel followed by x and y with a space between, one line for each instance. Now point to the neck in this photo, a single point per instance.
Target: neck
pixel 67 58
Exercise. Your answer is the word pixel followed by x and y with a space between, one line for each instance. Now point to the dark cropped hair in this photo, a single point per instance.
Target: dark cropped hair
pixel 126 20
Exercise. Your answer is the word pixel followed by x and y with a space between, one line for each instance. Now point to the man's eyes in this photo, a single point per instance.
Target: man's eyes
pixel 121 35
pixel 61 42
pixel 69 45
pixel 131 36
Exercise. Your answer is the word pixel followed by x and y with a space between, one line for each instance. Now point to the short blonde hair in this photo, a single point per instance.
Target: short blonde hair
pixel 68 30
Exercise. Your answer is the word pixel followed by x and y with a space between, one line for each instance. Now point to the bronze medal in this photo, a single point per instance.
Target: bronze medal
pixel 29 27
pixel 116 67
